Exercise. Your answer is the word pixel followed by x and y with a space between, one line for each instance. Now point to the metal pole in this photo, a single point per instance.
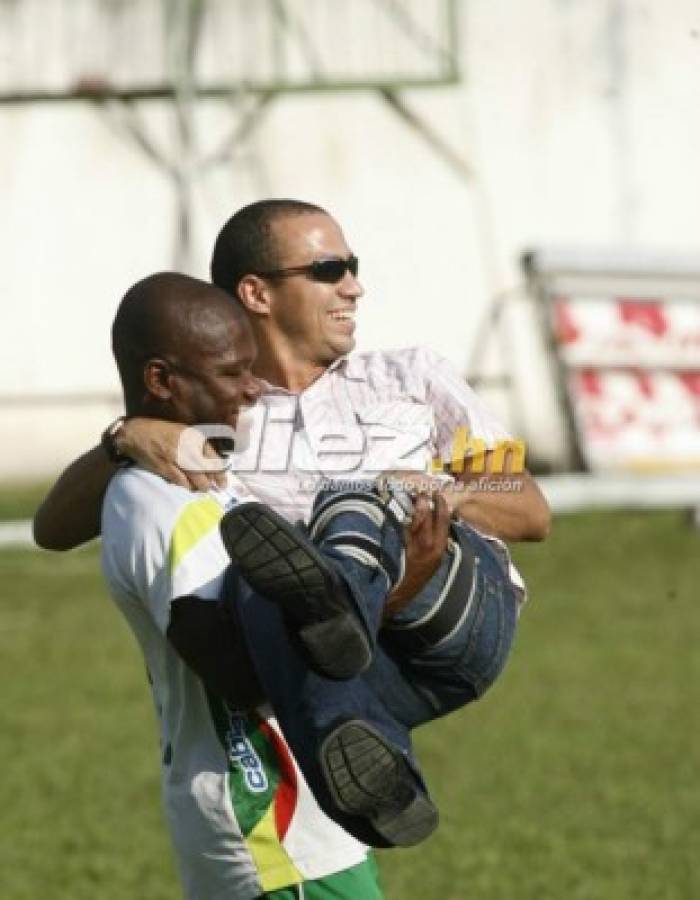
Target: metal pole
pixel 183 39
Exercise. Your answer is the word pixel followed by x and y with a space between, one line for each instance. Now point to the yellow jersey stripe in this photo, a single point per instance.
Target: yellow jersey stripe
pixel 275 868
pixel 194 522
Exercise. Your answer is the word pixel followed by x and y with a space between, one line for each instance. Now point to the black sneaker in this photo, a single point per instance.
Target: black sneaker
pixel 369 778
pixel 283 565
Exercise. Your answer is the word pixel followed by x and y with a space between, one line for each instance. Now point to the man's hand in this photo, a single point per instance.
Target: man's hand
pixel 164 448
pixel 508 505
pixel 426 542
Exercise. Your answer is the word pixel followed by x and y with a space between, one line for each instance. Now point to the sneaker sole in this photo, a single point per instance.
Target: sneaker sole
pixel 369 778
pixel 287 569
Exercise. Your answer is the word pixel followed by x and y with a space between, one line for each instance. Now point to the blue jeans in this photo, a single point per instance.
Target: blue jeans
pixel 398 692
pixel 466 663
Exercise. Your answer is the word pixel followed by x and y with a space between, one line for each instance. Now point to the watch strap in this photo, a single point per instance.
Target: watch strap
pixel 109 444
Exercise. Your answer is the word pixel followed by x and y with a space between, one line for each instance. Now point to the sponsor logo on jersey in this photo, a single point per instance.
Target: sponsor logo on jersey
pixel 242 754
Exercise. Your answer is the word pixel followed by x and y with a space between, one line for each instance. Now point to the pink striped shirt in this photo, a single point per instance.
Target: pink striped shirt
pixel 367 413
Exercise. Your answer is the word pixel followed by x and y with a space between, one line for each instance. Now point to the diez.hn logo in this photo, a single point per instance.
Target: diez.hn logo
pixel 266 439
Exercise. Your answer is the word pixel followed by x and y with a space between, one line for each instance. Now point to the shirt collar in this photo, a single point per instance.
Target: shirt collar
pixel 350 366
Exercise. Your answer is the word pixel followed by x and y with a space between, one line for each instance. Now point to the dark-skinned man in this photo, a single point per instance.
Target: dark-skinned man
pixel 290 266
pixel 185 353
pixel 242 819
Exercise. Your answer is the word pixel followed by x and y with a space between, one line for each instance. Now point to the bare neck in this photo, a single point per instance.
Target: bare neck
pixel 286 371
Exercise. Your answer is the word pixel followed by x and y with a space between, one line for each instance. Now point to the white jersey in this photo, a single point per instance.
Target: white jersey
pixel 367 413
pixel 242 819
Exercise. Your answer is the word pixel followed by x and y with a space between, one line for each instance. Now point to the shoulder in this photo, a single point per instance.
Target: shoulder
pixel 149 527
pixel 404 366
pixel 142 508
pixel 138 496
pixel 398 356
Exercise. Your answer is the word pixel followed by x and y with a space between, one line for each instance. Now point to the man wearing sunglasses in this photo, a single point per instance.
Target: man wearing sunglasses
pixel 290 266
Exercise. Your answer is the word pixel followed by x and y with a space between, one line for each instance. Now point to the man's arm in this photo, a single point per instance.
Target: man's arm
pixel 506 505
pixel 206 637
pixel 71 511
pixel 497 501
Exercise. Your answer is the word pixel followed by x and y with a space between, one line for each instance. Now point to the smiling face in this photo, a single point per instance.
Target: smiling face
pixel 212 379
pixel 312 320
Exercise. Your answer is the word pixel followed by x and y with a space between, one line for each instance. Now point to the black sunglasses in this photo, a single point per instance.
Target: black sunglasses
pixel 330 271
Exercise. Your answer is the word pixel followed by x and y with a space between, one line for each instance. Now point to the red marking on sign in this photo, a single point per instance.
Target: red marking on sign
pixel 589 382
pixel 648 314
pixel 645 384
pixel 565 328
pixel 691 380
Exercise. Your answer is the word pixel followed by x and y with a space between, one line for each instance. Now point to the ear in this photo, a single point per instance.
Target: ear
pixel 254 294
pixel 156 379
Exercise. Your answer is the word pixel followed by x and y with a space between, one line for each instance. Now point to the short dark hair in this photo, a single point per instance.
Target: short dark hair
pixel 245 244
pixel 151 319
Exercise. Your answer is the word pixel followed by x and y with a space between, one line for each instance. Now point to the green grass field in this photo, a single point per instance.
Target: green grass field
pixel 576 777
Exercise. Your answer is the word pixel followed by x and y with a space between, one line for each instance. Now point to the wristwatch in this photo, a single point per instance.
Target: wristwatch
pixel 109 444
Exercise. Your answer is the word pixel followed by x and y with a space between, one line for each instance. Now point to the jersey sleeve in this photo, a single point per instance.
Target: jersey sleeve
pixel 161 542
pixel 456 406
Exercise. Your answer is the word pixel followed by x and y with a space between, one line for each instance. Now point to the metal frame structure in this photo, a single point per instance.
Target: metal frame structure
pixel 185 21
pixel 184 28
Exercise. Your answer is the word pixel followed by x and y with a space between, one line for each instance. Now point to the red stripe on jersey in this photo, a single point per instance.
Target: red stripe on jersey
pixel 286 794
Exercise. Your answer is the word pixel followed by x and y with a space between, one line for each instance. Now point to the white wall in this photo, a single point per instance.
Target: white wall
pixel 579 117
